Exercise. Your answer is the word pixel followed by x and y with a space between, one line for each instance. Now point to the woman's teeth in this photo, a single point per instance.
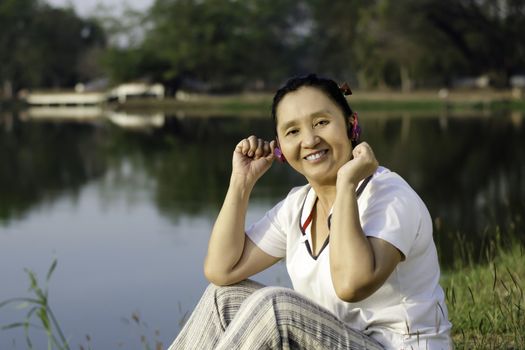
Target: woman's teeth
pixel 315 155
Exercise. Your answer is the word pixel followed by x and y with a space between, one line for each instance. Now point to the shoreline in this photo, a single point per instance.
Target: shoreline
pixel 418 101
pixel 373 104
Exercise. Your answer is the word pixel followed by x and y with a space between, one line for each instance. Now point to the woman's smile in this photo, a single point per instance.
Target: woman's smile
pixel 317 156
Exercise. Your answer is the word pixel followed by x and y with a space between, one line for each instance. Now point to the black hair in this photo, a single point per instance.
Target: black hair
pixel 328 86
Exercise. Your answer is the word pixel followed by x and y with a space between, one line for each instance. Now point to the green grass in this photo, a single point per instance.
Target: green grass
pixel 486 303
pixel 258 104
pixel 435 105
pixel 405 106
pixel 514 105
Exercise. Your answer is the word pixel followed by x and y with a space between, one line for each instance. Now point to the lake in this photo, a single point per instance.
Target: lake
pixel 127 211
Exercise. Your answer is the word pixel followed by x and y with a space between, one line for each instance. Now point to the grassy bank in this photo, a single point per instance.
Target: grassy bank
pixel 486 303
pixel 258 104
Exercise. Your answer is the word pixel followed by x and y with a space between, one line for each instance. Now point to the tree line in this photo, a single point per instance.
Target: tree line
pixel 42 46
pixel 232 45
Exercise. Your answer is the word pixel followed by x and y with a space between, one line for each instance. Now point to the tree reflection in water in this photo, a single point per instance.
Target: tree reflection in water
pixel 469 170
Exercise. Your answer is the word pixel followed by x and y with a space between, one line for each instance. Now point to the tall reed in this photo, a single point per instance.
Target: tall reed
pixel 40 310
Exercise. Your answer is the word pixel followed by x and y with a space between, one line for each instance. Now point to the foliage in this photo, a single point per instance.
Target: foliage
pixel 333 38
pixel 44 46
pixel 486 303
pixel 229 43
pixel 225 45
pixel 380 43
pixel 39 309
pixel 478 29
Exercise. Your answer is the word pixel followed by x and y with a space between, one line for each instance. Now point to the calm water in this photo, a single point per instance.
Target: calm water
pixel 127 213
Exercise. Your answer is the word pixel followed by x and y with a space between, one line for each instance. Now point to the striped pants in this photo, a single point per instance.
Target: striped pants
pixel 250 316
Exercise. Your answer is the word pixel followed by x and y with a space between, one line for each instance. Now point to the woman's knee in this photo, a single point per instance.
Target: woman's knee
pixel 232 294
pixel 275 297
pixel 243 286
pixel 274 292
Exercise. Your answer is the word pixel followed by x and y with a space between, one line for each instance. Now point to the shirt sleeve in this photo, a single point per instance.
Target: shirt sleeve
pixel 392 214
pixel 267 233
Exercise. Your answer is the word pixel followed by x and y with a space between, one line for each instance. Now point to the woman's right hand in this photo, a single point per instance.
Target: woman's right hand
pixel 252 158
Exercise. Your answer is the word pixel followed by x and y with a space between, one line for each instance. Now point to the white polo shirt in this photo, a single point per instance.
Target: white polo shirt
pixel 408 311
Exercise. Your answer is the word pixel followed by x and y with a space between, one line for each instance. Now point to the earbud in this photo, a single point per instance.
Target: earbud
pixel 279 155
pixel 353 129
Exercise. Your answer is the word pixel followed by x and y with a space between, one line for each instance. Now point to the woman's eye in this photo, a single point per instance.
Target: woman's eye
pixel 322 122
pixel 292 132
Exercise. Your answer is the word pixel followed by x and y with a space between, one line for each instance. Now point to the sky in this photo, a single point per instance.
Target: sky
pixel 86 7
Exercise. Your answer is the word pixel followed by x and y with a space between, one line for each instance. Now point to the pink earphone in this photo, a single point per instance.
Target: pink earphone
pixel 355 132
pixel 279 155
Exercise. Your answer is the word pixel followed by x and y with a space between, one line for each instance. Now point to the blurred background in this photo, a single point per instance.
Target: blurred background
pixel 254 44
pixel 118 121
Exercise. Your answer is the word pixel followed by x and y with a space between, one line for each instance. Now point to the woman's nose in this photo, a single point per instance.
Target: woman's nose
pixel 310 139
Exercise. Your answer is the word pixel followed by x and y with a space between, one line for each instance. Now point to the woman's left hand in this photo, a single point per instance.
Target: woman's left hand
pixel 362 165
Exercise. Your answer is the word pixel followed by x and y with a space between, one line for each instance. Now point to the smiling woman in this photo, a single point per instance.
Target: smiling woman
pixel 357 242
pixel 312 133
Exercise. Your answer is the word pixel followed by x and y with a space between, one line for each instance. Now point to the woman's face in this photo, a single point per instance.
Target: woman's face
pixel 312 133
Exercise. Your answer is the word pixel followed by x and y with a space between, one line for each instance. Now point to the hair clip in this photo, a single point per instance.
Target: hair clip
pixel 345 89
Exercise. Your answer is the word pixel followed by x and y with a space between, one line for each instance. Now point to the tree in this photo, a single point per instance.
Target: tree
pixel 15 20
pixel 487 34
pixel 223 44
pixel 333 39
pixel 229 45
pixel 61 39
pixel 42 46
pixel 393 43
pixel 435 41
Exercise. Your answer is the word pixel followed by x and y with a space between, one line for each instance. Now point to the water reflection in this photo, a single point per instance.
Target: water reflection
pixel 65 113
pixel 136 121
pixel 469 169
pixel 41 161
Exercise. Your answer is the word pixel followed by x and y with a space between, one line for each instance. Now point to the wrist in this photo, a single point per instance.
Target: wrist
pixel 240 184
pixel 346 185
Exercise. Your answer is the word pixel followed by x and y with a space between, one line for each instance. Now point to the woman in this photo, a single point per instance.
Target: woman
pixel 357 242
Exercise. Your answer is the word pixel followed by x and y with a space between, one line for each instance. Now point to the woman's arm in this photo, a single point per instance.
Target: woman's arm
pixel 231 256
pixel 359 264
